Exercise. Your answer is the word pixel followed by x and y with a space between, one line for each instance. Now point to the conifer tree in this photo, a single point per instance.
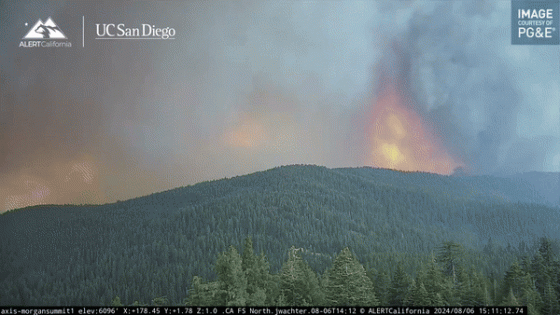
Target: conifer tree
pixel 116 301
pixel 481 296
pixel 510 299
pixel 202 294
pixel 550 300
pixel 348 283
pixel 486 298
pixel 382 284
pixel 533 301
pixel 248 257
pixel 435 283
pixel 450 257
pixel 545 249
pixel 400 286
pixel 232 282
pixel 419 295
pixel 256 270
pixel 540 272
pixel 438 300
pixel 299 285
pixel 517 280
pixel 464 289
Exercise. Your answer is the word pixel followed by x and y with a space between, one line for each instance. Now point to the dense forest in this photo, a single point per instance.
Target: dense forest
pixel 159 248
pixel 444 279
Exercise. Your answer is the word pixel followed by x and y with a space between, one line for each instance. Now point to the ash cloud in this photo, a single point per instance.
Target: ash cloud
pixel 251 85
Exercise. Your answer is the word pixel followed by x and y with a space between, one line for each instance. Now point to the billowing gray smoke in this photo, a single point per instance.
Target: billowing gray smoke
pixel 247 86
pixel 495 104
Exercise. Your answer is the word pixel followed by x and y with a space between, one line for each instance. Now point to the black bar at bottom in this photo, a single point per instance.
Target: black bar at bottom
pixel 195 310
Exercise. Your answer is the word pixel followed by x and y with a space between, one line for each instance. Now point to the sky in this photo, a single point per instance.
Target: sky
pixel 245 86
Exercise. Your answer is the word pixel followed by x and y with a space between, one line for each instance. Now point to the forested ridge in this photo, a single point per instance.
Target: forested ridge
pixel 153 247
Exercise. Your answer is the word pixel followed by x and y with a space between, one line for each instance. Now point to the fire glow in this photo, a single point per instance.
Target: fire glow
pixel 398 138
pixel 75 182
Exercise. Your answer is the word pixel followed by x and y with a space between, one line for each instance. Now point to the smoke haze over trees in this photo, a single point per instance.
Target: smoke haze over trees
pixel 253 85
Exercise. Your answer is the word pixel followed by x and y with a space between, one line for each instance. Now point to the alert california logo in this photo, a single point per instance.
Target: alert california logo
pixel 45 34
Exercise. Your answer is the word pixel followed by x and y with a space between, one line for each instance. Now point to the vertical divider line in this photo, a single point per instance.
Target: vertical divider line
pixel 83 24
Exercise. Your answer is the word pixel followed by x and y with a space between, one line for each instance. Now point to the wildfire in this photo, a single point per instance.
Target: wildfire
pixel 398 138
pixel 271 132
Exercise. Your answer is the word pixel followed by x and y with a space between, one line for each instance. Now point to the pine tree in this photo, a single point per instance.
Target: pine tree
pixel 231 279
pixel 256 270
pixel 450 256
pixel 248 258
pixel 400 286
pixel 533 301
pixel 540 272
pixel 116 301
pixel 517 280
pixel 510 299
pixel 486 298
pixel 550 300
pixel 545 267
pixel 438 300
pixel 419 296
pixel 381 287
pixel 348 283
pixel 299 285
pixel 464 289
pixel 545 249
pixel 480 296
pixel 436 284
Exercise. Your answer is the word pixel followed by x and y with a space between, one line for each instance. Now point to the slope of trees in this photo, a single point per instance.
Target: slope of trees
pixel 442 281
pixel 152 247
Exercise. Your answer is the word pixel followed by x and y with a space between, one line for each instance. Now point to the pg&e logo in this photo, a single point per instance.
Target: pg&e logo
pixel 535 23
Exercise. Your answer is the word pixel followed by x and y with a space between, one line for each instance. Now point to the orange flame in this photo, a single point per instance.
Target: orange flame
pixel 399 139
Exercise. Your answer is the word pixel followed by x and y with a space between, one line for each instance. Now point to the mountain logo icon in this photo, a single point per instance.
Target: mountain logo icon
pixel 47 30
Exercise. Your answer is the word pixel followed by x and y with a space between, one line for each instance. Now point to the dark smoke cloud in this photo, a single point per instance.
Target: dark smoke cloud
pixel 250 85
pixel 479 91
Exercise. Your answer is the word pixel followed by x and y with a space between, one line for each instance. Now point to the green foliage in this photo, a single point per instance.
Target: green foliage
pixel 160 301
pixel 419 295
pixel 232 282
pixel 550 300
pixel 348 284
pixel 116 301
pixel 203 294
pixel 256 270
pixel 298 283
pixel 155 245
pixel 450 257
pixel 510 300
pixel 519 282
pixel 381 288
pixel 471 289
pixel 436 284
pixel 400 287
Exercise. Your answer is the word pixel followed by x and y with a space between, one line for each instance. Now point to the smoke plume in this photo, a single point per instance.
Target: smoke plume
pixel 250 85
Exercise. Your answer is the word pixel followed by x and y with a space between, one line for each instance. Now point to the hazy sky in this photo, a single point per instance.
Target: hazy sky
pixel 250 85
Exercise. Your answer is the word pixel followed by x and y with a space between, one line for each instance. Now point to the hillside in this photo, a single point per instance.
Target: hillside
pixel 154 245
pixel 546 183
